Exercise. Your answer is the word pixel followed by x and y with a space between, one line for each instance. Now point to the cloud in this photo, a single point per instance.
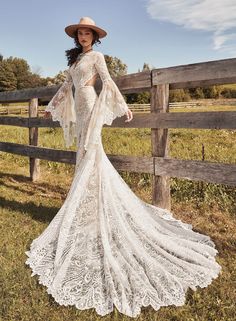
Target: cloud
pixel 216 16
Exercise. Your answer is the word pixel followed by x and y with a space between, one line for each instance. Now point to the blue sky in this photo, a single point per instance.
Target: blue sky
pixel 161 33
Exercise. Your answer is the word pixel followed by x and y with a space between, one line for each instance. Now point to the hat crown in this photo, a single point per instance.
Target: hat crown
pixel 87 21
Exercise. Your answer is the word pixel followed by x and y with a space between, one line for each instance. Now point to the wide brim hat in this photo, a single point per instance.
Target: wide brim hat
pixel 85 22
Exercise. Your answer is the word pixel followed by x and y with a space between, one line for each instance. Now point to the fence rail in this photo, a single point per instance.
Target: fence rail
pixel 158 82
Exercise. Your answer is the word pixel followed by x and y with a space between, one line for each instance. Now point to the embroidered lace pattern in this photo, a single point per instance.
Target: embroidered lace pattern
pixel 62 109
pixel 106 247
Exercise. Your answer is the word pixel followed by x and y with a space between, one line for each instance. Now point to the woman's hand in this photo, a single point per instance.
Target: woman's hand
pixel 129 115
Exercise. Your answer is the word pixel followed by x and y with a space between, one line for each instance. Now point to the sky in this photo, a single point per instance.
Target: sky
pixel 162 33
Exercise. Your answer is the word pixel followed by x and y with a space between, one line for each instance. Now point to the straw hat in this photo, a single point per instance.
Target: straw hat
pixel 85 22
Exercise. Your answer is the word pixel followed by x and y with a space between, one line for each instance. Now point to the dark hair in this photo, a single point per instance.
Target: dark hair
pixel 72 54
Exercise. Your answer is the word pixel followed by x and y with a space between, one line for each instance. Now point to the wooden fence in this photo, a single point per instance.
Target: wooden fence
pixel 162 167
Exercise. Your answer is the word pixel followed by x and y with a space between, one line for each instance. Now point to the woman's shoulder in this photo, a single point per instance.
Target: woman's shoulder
pixel 98 53
pixel 96 57
pixel 99 56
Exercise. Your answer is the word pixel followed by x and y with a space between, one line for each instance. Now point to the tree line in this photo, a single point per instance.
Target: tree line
pixel 15 74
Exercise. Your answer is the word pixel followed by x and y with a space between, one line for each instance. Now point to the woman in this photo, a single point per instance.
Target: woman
pixel 106 246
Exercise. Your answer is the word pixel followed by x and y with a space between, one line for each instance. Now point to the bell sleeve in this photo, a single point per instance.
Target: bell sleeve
pixel 109 104
pixel 62 109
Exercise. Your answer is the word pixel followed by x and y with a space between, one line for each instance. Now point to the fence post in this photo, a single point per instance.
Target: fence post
pixel 159 141
pixel 33 140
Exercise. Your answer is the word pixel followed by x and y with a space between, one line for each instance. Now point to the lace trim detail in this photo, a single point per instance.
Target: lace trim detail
pixel 109 105
pixel 112 101
pixel 62 109
pixel 91 283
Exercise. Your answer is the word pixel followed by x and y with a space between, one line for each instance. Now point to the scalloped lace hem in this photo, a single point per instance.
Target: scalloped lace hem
pixel 144 300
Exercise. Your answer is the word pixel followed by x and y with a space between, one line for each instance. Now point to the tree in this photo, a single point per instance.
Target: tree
pixel 212 92
pixel 23 77
pixel 179 95
pixel 115 66
pixel 228 92
pixel 35 81
pixel 21 70
pixel 8 79
pixel 146 67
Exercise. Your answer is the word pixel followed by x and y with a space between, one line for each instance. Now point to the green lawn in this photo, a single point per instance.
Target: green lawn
pixel 27 208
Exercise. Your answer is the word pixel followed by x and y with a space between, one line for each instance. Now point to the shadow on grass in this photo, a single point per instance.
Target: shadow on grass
pixel 38 185
pixel 40 213
pixel 24 185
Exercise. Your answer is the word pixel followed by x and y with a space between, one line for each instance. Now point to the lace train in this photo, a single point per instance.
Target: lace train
pixel 107 247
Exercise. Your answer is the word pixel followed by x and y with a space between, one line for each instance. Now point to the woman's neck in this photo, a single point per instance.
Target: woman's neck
pixel 87 49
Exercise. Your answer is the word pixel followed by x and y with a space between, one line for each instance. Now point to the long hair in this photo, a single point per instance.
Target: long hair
pixel 72 54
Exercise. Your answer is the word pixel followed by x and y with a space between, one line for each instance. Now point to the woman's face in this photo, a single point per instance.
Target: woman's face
pixel 85 36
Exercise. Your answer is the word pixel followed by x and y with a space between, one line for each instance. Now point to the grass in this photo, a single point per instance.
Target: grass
pixel 230 86
pixel 28 207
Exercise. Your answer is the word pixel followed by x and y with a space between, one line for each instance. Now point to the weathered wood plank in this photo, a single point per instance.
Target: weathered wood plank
pixel 56 155
pixel 134 83
pixel 33 140
pixel 159 141
pixel 197 74
pixel 127 84
pixel 217 173
pixel 15 121
pixel 27 94
pixel 197 120
pixel 201 120
pixel 137 164
pixel 126 163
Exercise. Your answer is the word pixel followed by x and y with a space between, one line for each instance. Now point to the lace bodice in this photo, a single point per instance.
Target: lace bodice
pixel 109 105
pixel 90 65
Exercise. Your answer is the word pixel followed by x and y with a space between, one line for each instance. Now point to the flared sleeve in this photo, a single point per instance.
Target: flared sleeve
pixel 62 109
pixel 109 104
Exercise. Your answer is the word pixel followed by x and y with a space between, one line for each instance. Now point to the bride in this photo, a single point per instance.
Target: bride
pixel 106 247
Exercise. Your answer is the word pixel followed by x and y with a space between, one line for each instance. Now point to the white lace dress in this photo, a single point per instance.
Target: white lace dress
pixel 106 247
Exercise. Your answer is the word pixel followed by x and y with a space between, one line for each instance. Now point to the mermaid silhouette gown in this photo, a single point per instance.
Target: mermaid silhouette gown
pixel 106 247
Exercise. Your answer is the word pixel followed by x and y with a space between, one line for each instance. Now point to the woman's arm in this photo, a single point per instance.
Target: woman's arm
pixel 115 100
